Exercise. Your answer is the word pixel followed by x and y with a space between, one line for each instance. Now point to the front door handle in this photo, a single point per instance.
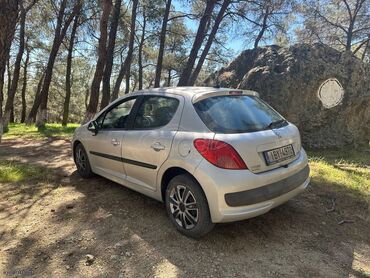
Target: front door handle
pixel 158 146
pixel 115 142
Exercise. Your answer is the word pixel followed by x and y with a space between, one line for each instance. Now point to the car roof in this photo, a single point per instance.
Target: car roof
pixel 190 91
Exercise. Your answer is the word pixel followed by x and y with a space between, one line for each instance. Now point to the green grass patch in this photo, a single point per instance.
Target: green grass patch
pixel 15 171
pixel 32 132
pixel 345 169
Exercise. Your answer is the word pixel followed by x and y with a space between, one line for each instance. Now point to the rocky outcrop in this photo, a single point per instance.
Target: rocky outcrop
pixel 326 93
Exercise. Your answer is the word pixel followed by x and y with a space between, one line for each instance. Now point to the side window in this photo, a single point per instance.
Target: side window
pixel 117 117
pixel 155 112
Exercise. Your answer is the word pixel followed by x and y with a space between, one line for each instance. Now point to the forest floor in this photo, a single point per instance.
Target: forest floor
pixel 51 219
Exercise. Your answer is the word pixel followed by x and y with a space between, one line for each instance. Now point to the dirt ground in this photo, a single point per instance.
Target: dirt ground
pixel 48 228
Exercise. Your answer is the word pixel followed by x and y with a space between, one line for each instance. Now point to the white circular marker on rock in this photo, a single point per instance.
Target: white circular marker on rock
pixel 331 93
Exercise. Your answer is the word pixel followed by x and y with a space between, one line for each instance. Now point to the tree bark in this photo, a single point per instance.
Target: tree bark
pixel 263 28
pixel 69 71
pixel 102 57
pixel 8 19
pixel 127 86
pixel 110 54
pixel 201 33
pixel 365 50
pixel 36 103
pixel 41 100
pixel 10 119
pixel 9 75
pixel 17 68
pixel 162 41
pixel 126 65
pixel 140 54
pixel 208 45
pixel 169 78
pixel 349 37
pixel 24 86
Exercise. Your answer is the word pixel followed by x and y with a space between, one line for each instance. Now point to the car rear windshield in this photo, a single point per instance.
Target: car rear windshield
pixel 237 114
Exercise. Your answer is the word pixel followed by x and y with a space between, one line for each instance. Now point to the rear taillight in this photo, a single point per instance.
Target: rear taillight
pixel 219 154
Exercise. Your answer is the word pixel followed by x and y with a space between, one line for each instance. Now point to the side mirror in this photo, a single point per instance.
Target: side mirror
pixel 93 127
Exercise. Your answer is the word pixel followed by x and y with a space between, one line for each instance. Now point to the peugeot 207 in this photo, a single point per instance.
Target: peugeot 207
pixel 210 154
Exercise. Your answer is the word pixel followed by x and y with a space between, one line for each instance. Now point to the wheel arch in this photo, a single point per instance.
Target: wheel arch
pixel 172 172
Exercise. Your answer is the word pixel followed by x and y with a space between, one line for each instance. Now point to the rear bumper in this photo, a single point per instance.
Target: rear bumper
pixel 245 212
pixel 269 191
pixel 237 195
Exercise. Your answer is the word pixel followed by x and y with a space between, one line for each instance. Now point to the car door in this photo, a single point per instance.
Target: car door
pixel 147 144
pixel 105 147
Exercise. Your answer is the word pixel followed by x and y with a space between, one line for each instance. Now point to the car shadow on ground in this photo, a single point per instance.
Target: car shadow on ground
pixel 129 234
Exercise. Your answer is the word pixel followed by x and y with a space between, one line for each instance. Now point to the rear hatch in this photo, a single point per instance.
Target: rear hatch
pixel 261 136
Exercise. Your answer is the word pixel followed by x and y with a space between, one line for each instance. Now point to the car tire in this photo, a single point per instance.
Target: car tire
pixel 82 162
pixel 187 207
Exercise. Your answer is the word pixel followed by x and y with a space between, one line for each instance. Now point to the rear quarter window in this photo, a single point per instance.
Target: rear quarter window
pixel 236 114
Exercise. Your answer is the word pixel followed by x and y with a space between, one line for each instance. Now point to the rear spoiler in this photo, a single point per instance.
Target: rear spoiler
pixel 223 92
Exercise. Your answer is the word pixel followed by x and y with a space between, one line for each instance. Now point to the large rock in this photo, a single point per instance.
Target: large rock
pixel 324 92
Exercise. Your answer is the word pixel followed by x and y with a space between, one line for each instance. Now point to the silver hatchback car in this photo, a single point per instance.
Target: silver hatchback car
pixel 210 154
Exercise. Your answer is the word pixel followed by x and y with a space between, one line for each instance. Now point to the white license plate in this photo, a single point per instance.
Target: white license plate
pixel 280 154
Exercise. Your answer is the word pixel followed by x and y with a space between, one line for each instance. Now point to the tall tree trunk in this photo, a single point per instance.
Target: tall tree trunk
pixel 126 65
pixel 9 75
pixel 110 54
pixel 17 68
pixel 127 87
pixel 140 54
pixel 69 71
pixel 11 114
pixel 12 118
pixel 263 28
pixel 36 103
pixel 162 41
pixel 134 75
pixel 102 57
pixel 41 113
pixel 169 78
pixel 208 45
pixel 8 20
pixel 24 86
pixel 201 33
pixel 60 33
pixel 349 38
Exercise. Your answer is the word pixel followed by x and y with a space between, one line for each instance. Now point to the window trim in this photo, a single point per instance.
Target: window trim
pixel 144 97
pixel 130 115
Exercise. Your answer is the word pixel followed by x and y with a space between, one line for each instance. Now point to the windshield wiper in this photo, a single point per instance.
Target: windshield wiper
pixel 274 124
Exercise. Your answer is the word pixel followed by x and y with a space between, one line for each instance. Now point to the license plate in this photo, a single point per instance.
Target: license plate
pixel 280 154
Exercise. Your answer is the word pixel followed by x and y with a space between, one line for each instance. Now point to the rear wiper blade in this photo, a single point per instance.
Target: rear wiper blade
pixel 276 123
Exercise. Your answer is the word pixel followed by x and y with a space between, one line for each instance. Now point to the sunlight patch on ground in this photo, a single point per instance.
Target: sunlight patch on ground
pixel 347 169
pixel 14 171
pixel 32 132
pixel 361 261
pixel 165 269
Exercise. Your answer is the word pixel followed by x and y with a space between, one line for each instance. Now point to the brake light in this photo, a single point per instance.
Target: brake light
pixel 219 154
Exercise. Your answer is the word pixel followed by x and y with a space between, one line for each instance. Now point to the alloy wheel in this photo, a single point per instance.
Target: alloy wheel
pixel 184 207
pixel 81 158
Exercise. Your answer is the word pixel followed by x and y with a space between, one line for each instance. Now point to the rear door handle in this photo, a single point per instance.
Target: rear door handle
pixel 115 142
pixel 158 146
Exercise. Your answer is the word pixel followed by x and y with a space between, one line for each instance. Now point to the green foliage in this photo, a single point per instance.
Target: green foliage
pixel 345 169
pixel 15 171
pixel 32 132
